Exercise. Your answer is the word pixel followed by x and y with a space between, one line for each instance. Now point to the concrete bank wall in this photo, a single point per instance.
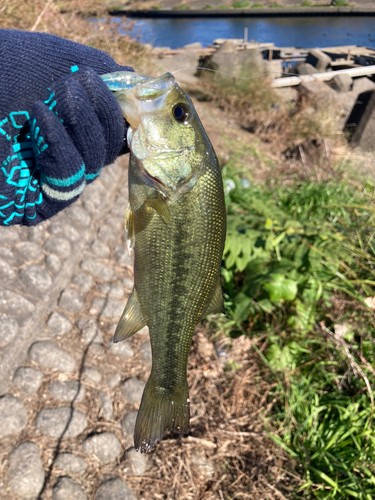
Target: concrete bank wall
pixel 268 12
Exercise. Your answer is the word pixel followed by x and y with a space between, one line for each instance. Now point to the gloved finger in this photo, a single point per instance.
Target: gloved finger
pixel 107 110
pixel 60 167
pixel 72 105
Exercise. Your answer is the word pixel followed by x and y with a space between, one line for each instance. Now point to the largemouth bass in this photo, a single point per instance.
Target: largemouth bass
pixel 176 223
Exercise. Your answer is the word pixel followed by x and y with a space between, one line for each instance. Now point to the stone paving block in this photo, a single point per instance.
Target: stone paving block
pixel 113 380
pixel 28 379
pixel 91 375
pixel 127 282
pixel 8 330
pixel 6 272
pixel 71 300
pixel 90 333
pixel 70 390
pixel 70 464
pixel 28 251
pixel 13 416
pixel 105 446
pixel 83 281
pixel 106 405
pixel 26 473
pixel 98 269
pixel 107 235
pixel 36 279
pixel 35 233
pixel 116 223
pixel 50 355
pixel 67 489
pixel 112 291
pixel 101 249
pixel 107 308
pixel 61 422
pixel 122 256
pixel 78 215
pixel 121 349
pixel 53 263
pixel 139 462
pixel 7 255
pixel 96 350
pixel 114 489
pixel 133 389
pixel 59 324
pixel 63 230
pixel 8 235
pixel 14 305
pixel 146 352
pixel 59 246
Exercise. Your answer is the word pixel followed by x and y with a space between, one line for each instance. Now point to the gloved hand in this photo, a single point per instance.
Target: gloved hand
pixel 59 123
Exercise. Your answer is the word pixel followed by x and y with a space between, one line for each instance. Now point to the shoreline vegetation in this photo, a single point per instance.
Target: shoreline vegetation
pixel 214 8
pixel 283 386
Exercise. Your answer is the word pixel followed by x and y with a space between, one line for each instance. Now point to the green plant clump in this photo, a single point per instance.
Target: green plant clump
pixel 257 6
pixel 299 267
pixel 241 4
pixel 207 6
pixel 183 6
pixel 306 4
pixel 276 6
pixel 341 3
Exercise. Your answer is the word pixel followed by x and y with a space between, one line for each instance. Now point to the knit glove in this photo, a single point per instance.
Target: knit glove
pixel 59 123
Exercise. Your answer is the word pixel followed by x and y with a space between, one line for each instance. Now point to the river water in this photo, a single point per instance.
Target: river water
pixel 283 31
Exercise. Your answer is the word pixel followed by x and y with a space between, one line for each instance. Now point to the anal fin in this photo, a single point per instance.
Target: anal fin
pixel 131 320
pixel 216 305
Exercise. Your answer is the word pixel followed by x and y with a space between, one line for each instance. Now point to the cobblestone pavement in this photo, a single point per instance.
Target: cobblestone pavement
pixel 69 396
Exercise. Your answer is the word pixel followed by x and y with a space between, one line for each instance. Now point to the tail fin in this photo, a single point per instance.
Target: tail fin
pixel 161 411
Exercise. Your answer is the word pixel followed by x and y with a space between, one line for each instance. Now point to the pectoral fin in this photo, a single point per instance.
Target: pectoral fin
pixel 216 305
pixel 129 226
pixel 160 206
pixel 131 320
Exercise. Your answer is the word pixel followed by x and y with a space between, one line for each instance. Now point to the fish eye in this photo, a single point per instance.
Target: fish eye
pixel 180 112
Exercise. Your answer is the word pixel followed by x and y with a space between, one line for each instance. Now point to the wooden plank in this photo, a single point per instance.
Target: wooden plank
pixel 322 77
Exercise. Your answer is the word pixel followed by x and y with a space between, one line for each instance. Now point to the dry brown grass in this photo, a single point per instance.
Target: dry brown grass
pixel 70 19
pixel 228 408
pixel 303 136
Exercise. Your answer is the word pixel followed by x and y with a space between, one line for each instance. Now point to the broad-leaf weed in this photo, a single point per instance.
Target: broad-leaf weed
pixel 299 263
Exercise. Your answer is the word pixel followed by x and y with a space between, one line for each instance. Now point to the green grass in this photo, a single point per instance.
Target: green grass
pixel 183 6
pixel 207 6
pixel 341 3
pixel 276 6
pixel 299 263
pixel 241 4
pixel 257 6
pixel 306 4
